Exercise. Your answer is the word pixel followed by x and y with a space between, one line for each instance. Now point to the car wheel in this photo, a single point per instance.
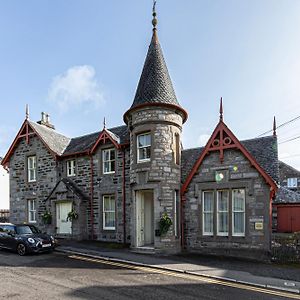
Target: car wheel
pixel 21 249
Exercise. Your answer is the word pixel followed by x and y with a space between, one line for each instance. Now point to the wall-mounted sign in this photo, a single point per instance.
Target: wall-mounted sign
pixel 259 226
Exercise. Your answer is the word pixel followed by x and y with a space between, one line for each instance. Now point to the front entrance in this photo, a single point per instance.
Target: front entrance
pixel 144 218
pixel 63 225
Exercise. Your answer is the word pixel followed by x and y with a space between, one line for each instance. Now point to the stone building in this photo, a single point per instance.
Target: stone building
pixel 125 184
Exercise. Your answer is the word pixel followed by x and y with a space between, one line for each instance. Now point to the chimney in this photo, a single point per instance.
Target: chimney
pixel 45 120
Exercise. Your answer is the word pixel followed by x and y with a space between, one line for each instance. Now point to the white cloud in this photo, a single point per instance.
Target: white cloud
pixel 77 86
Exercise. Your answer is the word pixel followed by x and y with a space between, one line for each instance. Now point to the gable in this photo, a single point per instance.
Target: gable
pixel 53 141
pixel 223 139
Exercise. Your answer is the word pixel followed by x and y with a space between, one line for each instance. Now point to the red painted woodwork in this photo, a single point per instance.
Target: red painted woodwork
pixel 103 137
pixel 25 131
pixel 288 218
pixel 222 138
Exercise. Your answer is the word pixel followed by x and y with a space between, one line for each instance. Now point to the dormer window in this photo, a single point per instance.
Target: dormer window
pixel 109 161
pixel 143 147
pixel 292 183
pixel 31 167
pixel 71 168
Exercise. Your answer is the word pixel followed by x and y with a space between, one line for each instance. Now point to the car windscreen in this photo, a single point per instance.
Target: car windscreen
pixel 27 229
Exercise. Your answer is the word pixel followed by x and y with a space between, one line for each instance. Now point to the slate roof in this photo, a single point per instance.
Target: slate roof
pixel 85 142
pixel 155 85
pixel 284 195
pixel 264 151
pixel 54 140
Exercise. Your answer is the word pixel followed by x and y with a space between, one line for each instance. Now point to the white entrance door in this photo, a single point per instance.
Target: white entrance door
pixel 144 218
pixel 62 210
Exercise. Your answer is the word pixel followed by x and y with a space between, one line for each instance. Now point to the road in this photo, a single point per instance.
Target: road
pixel 59 276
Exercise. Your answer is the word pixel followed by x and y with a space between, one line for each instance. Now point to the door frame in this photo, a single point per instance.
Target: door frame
pixel 57 205
pixel 140 219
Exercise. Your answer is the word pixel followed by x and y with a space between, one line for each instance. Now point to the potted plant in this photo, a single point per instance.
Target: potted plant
pixel 164 224
pixel 72 215
pixel 47 217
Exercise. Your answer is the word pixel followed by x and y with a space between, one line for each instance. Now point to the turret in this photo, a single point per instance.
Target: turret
pixel 155 121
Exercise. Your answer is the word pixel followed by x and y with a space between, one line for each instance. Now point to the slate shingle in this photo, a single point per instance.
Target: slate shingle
pixel 264 151
pixel 155 85
pixel 86 142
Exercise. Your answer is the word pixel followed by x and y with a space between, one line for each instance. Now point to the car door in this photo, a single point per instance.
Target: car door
pixel 1 235
pixel 9 237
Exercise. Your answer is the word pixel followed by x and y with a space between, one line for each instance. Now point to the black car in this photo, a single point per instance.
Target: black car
pixel 25 238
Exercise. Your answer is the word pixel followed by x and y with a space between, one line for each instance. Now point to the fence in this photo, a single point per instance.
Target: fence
pixel 286 248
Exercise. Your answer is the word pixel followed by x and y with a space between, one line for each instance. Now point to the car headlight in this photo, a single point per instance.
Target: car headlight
pixel 31 240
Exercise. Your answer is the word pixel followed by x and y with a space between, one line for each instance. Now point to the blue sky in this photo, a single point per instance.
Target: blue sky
pixel 81 60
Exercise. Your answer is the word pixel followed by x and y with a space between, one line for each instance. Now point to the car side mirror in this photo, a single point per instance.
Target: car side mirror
pixel 12 234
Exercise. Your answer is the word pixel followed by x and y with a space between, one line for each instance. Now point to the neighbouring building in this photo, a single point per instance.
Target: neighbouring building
pixel 123 184
pixel 286 205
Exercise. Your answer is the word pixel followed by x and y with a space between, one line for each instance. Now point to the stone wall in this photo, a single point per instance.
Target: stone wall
pixel 103 184
pixel 20 189
pixel 161 174
pixel 238 174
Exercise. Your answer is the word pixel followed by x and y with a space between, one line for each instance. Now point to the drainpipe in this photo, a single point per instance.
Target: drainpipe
pixel 124 199
pixel 92 197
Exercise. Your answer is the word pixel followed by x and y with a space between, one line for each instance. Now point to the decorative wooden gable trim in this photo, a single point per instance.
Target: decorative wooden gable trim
pixel 222 139
pixel 26 131
pixel 103 138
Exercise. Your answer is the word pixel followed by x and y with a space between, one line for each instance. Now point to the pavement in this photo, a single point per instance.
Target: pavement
pixel 264 275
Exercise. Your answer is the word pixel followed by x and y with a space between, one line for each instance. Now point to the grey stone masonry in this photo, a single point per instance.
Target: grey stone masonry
pixel 238 174
pixel 160 174
pixel 21 191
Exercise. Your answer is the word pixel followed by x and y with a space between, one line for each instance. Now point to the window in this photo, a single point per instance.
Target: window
pixel 109 212
pixel 292 182
pixel 31 166
pixel 177 149
pixel 109 161
pixel 31 211
pixel 208 213
pixel 143 147
pixel 71 168
pixel 222 212
pixel 176 213
pixel 238 212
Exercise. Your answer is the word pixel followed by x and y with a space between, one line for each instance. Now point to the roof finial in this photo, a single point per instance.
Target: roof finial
pixel 274 127
pixel 154 20
pixel 104 123
pixel 221 109
pixel 27 112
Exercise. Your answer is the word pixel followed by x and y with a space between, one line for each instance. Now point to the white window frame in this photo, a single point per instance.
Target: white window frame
pixel 31 205
pixel 71 167
pixel 111 198
pixel 143 147
pixel 176 213
pixel 31 166
pixel 207 212
pixel 223 211
pixel 292 182
pixel 238 211
pixel 109 161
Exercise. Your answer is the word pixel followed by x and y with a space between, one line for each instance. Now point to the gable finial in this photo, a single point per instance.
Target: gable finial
pixel 274 127
pixel 221 109
pixel 104 123
pixel 27 112
pixel 154 20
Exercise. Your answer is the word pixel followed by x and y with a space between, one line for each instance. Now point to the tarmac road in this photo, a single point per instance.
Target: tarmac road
pixel 59 276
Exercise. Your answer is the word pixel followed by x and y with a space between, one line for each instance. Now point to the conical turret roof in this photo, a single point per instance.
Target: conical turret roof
pixel 155 86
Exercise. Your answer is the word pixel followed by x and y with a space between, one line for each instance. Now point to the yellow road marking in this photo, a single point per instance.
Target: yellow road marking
pixel 188 276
